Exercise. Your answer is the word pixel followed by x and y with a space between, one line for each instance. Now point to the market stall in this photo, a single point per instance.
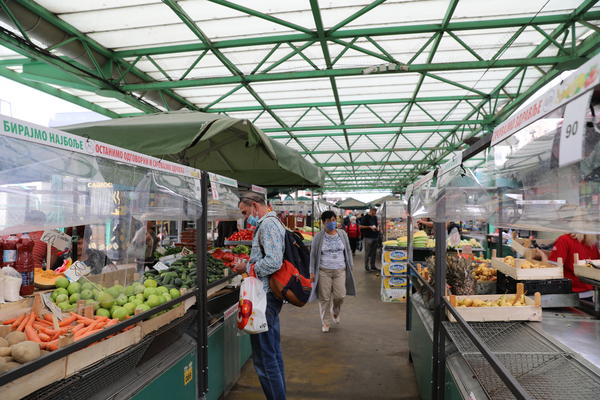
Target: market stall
pixel 105 302
pixel 541 178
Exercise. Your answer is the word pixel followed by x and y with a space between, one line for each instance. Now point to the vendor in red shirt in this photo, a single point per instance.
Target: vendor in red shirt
pixel 565 247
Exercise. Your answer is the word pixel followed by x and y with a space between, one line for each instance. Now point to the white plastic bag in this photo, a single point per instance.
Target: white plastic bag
pixel 252 307
pixel 12 284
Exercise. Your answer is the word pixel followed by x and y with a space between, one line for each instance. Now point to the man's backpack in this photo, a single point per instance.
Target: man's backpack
pixel 292 281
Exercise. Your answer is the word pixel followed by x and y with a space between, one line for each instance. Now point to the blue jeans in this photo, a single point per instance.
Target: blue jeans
pixel 266 353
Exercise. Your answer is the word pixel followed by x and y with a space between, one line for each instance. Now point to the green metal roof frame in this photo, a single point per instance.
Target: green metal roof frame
pixel 378 152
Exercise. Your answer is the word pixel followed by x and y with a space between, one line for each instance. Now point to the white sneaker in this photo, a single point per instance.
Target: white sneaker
pixel 325 328
pixel 336 319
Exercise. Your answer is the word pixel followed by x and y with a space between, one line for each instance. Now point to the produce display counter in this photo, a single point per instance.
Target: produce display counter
pixel 558 355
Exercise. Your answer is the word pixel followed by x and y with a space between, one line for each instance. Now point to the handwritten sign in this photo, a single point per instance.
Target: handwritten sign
pixel 57 239
pixel 77 270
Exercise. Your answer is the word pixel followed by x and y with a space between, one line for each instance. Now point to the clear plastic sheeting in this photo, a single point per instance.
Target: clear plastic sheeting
pixel 223 203
pixel 160 196
pixel 461 193
pixel 423 200
pixel 394 209
pixel 108 209
pixel 543 182
pixel 45 187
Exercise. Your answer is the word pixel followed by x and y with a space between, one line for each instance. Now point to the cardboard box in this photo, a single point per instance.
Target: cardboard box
pixel 394 282
pixel 394 269
pixel 98 351
pixel 390 256
pixel 393 295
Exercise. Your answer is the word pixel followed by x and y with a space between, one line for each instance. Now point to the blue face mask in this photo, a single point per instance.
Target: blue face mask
pixel 252 220
pixel 331 225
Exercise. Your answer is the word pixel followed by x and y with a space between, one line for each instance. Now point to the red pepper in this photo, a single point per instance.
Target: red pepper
pixel 228 257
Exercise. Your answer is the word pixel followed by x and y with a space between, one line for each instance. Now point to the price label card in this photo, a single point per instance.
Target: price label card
pixel 160 266
pixel 50 305
pixel 186 252
pixel 57 239
pixel 77 270
pixel 572 132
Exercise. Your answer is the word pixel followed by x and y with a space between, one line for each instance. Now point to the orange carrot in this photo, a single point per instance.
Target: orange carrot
pixel 18 321
pixel 44 337
pixel 83 319
pixel 111 322
pixel 32 334
pixel 78 327
pixel 50 346
pixel 23 323
pixel 9 321
pixel 39 326
pixel 68 321
pixel 43 322
pixel 88 333
pixel 48 317
pixel 101 317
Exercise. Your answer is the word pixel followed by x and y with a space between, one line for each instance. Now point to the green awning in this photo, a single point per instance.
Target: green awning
pixel 210 142
pixel 352 204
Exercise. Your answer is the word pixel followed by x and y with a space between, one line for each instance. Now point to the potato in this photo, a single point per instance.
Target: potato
pixel 25 351
pixel 15 337
pixel 8 366
pixel 6 359
pixel 4 351
pixel 3 342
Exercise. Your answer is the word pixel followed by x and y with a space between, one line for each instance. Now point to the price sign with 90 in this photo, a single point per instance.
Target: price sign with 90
pixel 572 132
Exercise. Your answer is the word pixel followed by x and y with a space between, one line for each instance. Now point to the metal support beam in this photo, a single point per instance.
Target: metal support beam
pixel 351 33
pixel 326 73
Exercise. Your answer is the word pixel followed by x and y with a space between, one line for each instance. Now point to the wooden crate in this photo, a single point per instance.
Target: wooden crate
pixel 98 351
pixel 29 383
pixel 532 311
pixel 155 323
pixel 581 269
pixel 553 271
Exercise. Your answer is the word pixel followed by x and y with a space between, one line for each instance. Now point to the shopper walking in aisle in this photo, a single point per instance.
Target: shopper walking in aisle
pixel 370 232
pixel 331 270
pixel 353 232
pixel 267 257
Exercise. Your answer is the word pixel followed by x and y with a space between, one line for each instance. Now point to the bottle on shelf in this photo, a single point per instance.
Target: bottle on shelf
pixel 24 264
pixel 9 251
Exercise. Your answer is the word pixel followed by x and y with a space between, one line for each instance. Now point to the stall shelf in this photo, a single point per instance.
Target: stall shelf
pixel 70 181
pixel 539 180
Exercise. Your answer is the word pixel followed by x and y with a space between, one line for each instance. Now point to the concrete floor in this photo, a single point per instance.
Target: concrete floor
pixel 365 357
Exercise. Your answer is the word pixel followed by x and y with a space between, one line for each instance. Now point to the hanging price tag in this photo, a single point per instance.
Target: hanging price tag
pixel 77 270
pixel 214 191
pixel 57 239
pixel 160 266
pixel 572 133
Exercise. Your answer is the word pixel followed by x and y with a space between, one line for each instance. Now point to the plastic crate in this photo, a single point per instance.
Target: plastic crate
pixel 507 284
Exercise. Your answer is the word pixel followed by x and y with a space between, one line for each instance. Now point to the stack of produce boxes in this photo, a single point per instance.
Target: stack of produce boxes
pixel 394 268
